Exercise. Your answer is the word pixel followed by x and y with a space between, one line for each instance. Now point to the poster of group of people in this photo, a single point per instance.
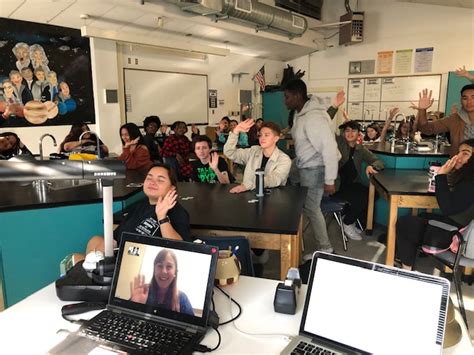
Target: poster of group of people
pixel 45 75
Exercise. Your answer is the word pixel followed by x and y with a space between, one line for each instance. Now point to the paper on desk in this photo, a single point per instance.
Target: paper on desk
pixel 76 344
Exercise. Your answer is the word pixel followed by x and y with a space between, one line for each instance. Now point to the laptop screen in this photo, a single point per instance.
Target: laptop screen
pixel 164 278
pixel 375 308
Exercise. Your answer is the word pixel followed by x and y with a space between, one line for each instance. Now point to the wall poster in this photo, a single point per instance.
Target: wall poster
pixel 45 75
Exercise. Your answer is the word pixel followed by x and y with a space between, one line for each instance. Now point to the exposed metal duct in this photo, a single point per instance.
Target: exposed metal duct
pixel 264 16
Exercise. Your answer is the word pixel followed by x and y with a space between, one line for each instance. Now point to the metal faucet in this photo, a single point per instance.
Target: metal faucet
pixel 41 143
pixel 97 141
pixel 399 114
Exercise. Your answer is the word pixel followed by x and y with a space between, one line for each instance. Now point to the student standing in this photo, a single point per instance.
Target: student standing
pixel 316 155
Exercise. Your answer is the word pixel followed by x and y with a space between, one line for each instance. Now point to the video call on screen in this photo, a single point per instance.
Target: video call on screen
pixel 192 273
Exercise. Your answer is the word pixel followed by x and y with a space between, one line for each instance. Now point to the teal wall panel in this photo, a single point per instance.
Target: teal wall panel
pixel 33 242
pixel 453 96
pixel 274 108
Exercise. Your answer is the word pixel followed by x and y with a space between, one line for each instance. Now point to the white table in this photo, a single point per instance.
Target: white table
pixel 30 326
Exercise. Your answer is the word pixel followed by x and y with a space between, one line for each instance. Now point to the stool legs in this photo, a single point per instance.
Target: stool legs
pixel 338 217
pixel 457 274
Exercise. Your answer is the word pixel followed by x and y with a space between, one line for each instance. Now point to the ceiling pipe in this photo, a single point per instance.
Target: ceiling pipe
pixel 263 16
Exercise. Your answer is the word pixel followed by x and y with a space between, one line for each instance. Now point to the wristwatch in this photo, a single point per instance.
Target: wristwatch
pixel 164 220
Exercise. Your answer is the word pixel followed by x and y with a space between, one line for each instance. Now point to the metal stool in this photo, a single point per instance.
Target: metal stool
pixel 336 207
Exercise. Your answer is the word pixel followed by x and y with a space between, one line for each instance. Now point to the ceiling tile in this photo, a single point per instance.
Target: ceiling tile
pixel 39 10
pixel 8 6
pixel 93 8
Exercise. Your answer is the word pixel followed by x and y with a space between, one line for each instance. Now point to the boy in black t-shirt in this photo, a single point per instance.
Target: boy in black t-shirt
pixel 160 215
pixel 209 167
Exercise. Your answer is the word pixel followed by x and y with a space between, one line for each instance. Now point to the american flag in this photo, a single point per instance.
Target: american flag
pixel 260 78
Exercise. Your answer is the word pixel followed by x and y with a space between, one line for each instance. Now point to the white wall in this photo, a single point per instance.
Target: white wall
pixel 218 69
pixel 392 25
pixel 105 74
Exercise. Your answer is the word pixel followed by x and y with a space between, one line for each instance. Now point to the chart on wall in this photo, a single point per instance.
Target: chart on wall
pixel 372 98
pixel 171 96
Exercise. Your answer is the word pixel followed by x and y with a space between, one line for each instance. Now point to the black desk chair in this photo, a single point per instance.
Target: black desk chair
pixel 456 262
pixel 336 207
pixel 242 253
pixel 172 162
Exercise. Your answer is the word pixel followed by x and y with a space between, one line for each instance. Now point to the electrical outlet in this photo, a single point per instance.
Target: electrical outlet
pixel 136 61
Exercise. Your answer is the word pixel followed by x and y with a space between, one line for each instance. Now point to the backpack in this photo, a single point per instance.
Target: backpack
pixel 468 236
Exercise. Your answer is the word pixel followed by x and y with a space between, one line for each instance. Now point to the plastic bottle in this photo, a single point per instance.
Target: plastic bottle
pixel 259 178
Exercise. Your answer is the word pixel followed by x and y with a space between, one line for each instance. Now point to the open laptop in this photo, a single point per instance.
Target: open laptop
pixel 360 307
pixel 151 320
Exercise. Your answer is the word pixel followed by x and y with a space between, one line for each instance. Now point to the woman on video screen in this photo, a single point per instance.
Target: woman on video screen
pixel 162 291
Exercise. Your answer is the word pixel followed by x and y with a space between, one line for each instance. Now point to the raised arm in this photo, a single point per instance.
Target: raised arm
pixel 163 205
pixel 337 102
pixel 389 119
pixel 463 73
pixel 240 156
pixel 424 102
pixel 222 176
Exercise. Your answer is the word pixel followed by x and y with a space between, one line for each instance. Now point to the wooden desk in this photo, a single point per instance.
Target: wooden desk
pixel 274 222
pixel 401 188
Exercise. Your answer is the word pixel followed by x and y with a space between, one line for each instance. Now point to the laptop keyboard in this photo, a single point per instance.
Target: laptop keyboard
pixel 308 348
pixel 147 337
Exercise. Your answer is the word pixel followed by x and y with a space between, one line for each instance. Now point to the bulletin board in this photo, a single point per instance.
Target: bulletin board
pixel 169 95
pixel 371 98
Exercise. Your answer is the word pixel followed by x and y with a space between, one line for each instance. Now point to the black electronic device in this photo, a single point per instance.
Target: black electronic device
pixel 77 285
pixel 286 293
pixel 104 272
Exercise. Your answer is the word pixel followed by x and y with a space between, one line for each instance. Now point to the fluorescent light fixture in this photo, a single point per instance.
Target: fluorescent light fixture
pixel 190 50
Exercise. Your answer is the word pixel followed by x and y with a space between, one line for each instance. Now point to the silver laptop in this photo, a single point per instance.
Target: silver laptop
pixel 151 324
pixel 360 307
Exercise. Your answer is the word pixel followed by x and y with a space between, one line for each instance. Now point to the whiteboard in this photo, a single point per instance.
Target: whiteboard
pixel 171 96
pixel 372 97
pixel 407 88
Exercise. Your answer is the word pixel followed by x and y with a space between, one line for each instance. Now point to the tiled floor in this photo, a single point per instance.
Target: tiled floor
pixel 370 249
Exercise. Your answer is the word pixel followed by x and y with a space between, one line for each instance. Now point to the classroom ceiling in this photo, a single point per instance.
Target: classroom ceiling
pixel 159 19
